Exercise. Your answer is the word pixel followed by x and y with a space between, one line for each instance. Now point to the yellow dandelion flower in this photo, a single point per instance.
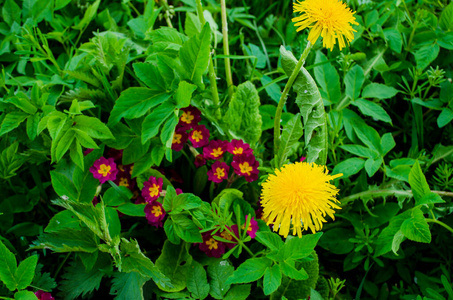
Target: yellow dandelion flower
pixel 329 18
pixel 299 195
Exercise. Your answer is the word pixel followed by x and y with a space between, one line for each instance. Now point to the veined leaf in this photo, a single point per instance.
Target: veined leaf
pixel 8 266
pixel 327 77
pixel 25 272
pixel 12 121
pixel 128 285
pixel 250 270
pixel 291 134
pixel 152 123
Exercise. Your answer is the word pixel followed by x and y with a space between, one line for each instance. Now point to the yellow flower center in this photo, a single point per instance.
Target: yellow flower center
pixel 217 152
pixel 238 151
pixel 177 138
pixel 226 235
pixel 121 168
pixel 197 135
pixel 156 211
pixel 249 228
pixel 104 170
pixel 132 169
pixel 187 117
pixel 154 190
pixel 124 182
pixel 212 244
pixel 245 168
pixel 220 173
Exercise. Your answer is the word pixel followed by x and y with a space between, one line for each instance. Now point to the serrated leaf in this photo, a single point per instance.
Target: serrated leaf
pixel 349 167
pixel 184 94
pixel 272 279
pixel 90 13
pixel 291 134
pixel 186 229
pixel 445 18
pixel 289 270
pixel 12 121
pixel 327 77
pixel 298 248
pixel 269 239
pixel 152 123
pixel 25 272
pixel 218 273
pixel 418 182
pixel 379 91
pixel 426 55
pixel 67 240
pixel 353 81
pixel 250 270
pixel 197 281
pixel 128 285
pixel 373 110
pixel 312 109
pixel 24 295
pixel 150 75
pixel 62 185
pixel 416 228
pixel 92 127
pixel 8 266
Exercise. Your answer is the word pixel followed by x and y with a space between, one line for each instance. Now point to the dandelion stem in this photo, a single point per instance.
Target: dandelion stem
pixel 281 103
pixel 226 50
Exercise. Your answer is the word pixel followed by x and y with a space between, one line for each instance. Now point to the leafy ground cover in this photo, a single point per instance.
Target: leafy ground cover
pixel 195 149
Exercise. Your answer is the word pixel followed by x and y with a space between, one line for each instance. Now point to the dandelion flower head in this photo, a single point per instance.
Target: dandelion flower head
pixel 299 195
pixel 331 19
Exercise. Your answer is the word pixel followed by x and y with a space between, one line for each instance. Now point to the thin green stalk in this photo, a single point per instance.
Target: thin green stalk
pixel 226 50
pixel 281 103
pixel 62 264
pixel 440 223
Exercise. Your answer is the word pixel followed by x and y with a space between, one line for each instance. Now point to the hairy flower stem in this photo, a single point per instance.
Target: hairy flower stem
pixel 281 103
pixel 226 50
pixel 212 75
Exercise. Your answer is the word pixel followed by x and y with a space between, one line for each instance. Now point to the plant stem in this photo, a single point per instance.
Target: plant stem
pixel 226 50
pixel 212 75
pixel 281 103
pixel 440 223
pixel 62 264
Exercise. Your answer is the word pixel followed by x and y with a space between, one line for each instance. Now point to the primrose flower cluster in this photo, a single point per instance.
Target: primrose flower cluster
pixel 244 162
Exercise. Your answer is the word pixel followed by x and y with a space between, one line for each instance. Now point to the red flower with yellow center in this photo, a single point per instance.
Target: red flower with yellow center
pixel 238 147
pixel 104 169
pixel 179 139
pixel 210 246
pixel 155 213
pixel 199 161
pixel 152 188
pixel 124 182
pixel 218 172
pixel 199 136
pixel 228 236
pixel 246 165
pixel 190 116
pixel 253 227
pixel 215 149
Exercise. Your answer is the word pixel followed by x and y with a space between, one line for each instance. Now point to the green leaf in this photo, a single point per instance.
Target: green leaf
pixel 185 201
pixel 184 94
pixel 380 91
pixel 8 267
pixel 186 229
pixel 133 260
pixel 250 270
pixel 24 295
pixel 174 262
pixel 272 279
pixel 63 186
pixel 197 281
pixel 76 154
pixel 150 75
pixel 170 232
pixel 133 210
pixel 89 15
pixel 135 102
pixel 289 270
pixel 312 109
pixel 113 221
pixel 354 80
pixel 12 121
pixel 416 228
pixel 67 240
pixel 369 136
pixel 291 134
pixel 243 119
pixel 168 130
pixel 32 126
pixel 360 151
pixel 25 272
pixel 63 219
pixel 418 182
pixel 373 110
pixel 426 55
pixel 429 198
pixel 397 240
pixel 327 77
pixel 372 166
pixel 445 117
pixel 349 167
pixel 192 25
pixel 269 239
pixel 64 143
pixel 298 248
pixel 11 12
pixel 394 39
pixel 128 285
pixel 387 143
pixel 445 18
pixel 152 123
pixel 385 240
pixel 336 241
pixel 218 273
pixel 22 102
pixel 194 56
pixel 239 292
pixel 93 127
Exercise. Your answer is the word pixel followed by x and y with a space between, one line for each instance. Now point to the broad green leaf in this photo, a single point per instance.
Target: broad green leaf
pixel 381 214
pixel 76 154
pixel 11 12
pixel 63 186
pixel 64 143
pixel 22 102
pixel 133 210
pixel 174 262
pixel 135 102
pixel 243 119
pixel 360 151
pixel 269 239
pixel 32 125
pixel 150 75
pixel 397 240
pixel 135 151
pixel 272 279
pixel 385 240
pixel 353 81
pixel 133 260
pixel 89 15
pixel 416 228
pixel 298 248
pixel 25 272
pixel 394 39
pixel 152 123
pixel 194 56
pixel 292 132
pixel 197 281
pixel 250 270
pixel 387 143
pixel 93 127
pixel 113 198
pixel 192 25
pixel 429 198
pixel 185 201
pixel 170 231
pixel 67 240
pixel 184 94
pixel 373 110
pixel 336 241
pixel 123 136
pixel 24 295
pixel 12 121
pixel 312 109
pixel 239 292
pixel 372 166
pixel 8 266
pixel 418 182
pixel 63 219
pixel 218 273
pixel 127 286
pixel 445 117
pixel 186 229
pixel 426 55
pixel 378 90
pixel 327 77
pixel 445 18
pixel 290 271
pixel 369 136
pixel 113 222
pixel 260 58
pixel 349 167
pixel 166 136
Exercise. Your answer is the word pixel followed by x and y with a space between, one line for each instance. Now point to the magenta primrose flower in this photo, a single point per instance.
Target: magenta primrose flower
pixel 152 188
pixel 219 172
pixel 104 169
pixel 41 295
pixel 211 246
pixel 123 178
pixel 238 147
pixel 246 165
pixel 155 213
pixel 189 117
pixel 179 139
pixel 253 227
pixel 215 149
pixel 199 136
pixel 199 161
